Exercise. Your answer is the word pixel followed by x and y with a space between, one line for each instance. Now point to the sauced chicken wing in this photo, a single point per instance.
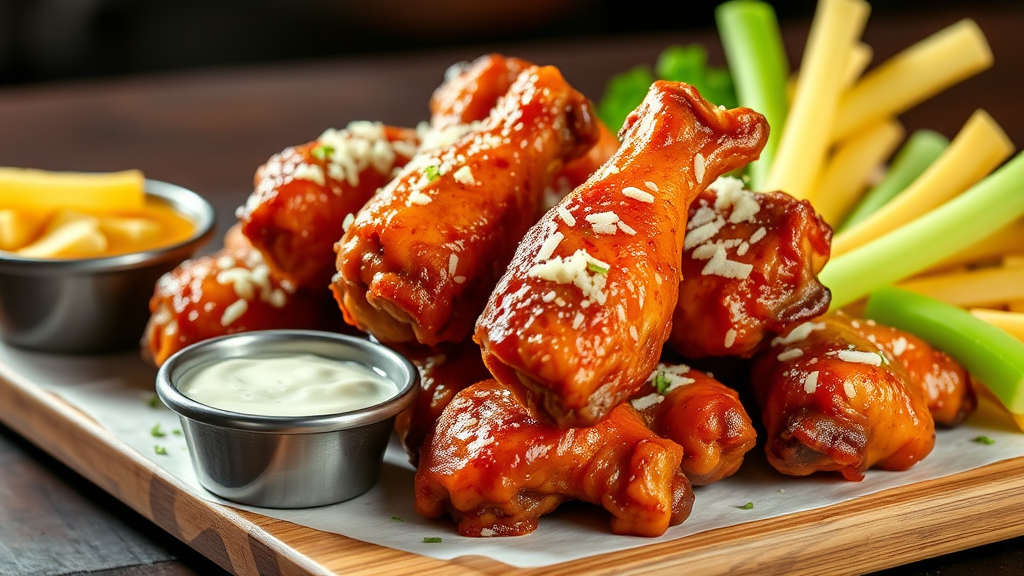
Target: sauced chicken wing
pixel 303 195
pixel 471 89
pixel 586 305
pixel 422 256
pixel 700 414
pixel 224 293
pixel 750 264
pixel 946 384
pixel 442 375
pixel 496 469
pixel 831 401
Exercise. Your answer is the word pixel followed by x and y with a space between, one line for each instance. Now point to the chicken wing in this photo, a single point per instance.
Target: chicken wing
pixel 750 264
pixel 496 469
pixel 223 293
pixel 832 401
pixel 422 256
pixel 586 305
pixel 700 414
pixel 304 194
pixel 443 374
pixel 471 89
pixel 946 384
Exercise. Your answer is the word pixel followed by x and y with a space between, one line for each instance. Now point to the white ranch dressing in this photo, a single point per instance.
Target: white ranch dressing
pixel 299 385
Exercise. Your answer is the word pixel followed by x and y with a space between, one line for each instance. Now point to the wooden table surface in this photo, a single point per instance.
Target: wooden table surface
pixel 209 131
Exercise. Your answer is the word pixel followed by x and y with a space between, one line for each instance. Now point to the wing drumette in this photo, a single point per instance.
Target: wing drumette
pixel 750 264
pixel 832 401
pixel 582 313
pixel 946 384
pixel 230 291
pixel 496 469
pixel 422 256
pixel 700 414
pixel 303 195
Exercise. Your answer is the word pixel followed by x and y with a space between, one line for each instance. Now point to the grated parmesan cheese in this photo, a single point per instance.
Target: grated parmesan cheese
pixel 858 357
pixel 233 312
pixel 790 354
pixel 799 333
pixel 811 382
pixel 638 194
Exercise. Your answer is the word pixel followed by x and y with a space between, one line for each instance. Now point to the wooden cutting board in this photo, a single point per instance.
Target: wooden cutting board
pixel 869 533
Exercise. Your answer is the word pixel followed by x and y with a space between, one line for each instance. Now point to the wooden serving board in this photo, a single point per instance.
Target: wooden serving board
pixel 868 533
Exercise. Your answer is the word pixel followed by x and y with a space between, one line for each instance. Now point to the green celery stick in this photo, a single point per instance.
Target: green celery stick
pixel 991 355
pixel 757 59
pixel 973 215
pixel 920 150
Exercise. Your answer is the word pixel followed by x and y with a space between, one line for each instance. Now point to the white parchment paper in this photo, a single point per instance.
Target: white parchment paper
pixel 116 391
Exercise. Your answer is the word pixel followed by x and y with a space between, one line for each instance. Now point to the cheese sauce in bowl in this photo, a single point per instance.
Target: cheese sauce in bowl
pixel 287 418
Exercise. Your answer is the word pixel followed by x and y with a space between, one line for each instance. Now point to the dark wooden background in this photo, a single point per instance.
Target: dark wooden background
pixel 209 131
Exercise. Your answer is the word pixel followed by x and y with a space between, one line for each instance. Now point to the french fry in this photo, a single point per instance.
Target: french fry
pixel 43 192
pixel 979 148
pixel 847 173
pixel 78 238
pixel 18 228
pixel 984 287
pixel 976 214
pixel 1011 322
pixel 835 30
pixel 912 76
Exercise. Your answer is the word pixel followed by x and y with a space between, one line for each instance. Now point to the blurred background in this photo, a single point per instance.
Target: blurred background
pixel 53 40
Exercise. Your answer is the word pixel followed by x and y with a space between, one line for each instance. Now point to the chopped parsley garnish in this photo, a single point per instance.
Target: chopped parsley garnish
pixel 397 519
pixel 596 268
pixel 322 152
pixel 432 172
pixel 984 440
pixel 661 382
pixel 153 402
pixel 432 540
pixel 747 506
pixel 156 431
pixel 176 432
pixel 160 450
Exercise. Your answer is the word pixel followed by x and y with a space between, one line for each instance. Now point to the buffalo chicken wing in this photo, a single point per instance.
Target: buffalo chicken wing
pixel 421 257
pixel 496 469
pixel 832 401
pixel 700 414
pixel 304 194
pixel 586 305
pixel 750 264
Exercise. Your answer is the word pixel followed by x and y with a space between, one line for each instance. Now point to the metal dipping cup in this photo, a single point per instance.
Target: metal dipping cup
pixel 287 461
pixel 91 305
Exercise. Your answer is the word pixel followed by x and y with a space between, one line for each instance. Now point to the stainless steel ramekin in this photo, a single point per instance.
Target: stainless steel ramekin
pixel 93 304
pixel 287 461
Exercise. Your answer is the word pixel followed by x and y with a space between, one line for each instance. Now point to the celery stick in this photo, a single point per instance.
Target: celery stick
pixel 980 211
pixel 991 355
pixel 757 59
pixel 920 150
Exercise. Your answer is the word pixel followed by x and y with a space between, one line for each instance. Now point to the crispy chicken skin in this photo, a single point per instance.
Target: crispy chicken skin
pixel 303 194
pixel 582 313
pixel 700 414
pixel 422 256
pixel 496 469
pixel 443 373
pixel 750 265
pixel 838 404
pixel 227 292
pixel 946 384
